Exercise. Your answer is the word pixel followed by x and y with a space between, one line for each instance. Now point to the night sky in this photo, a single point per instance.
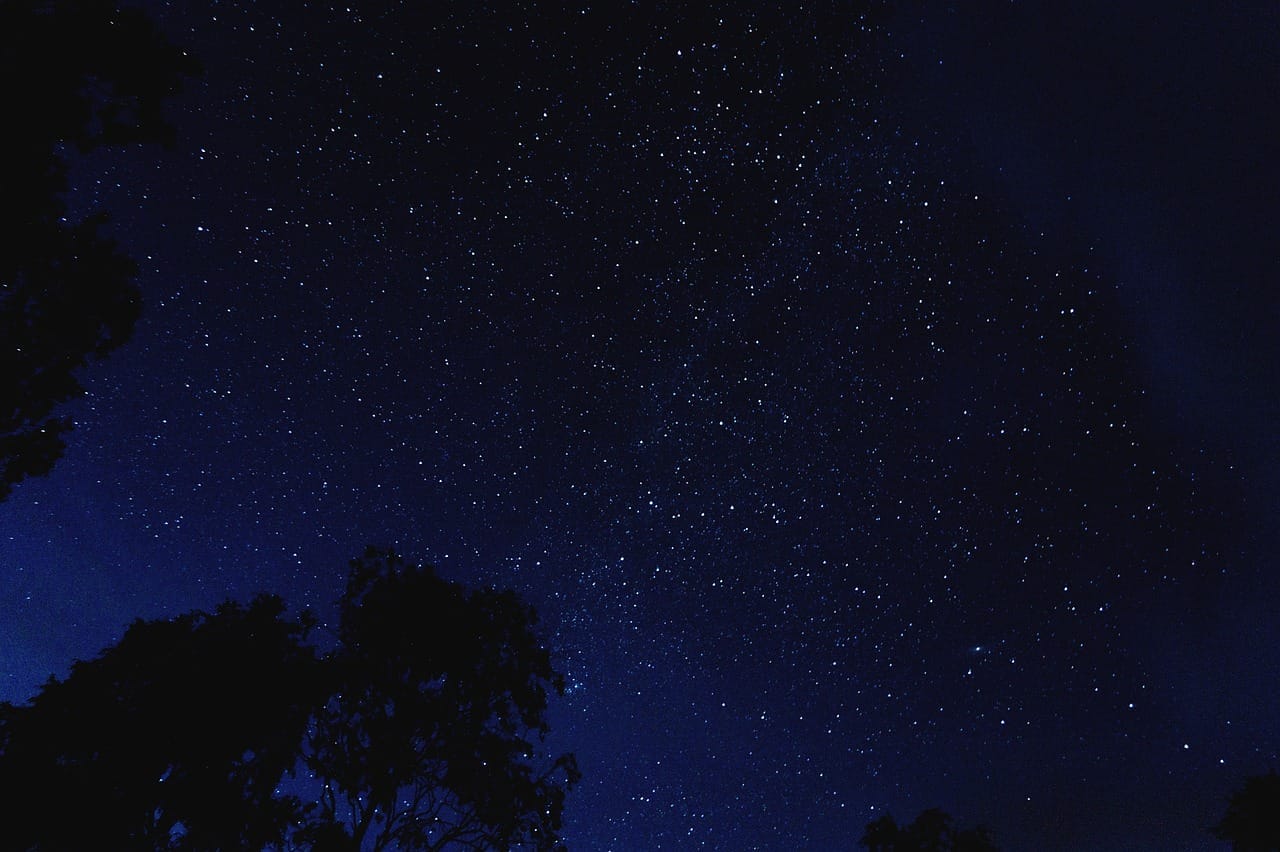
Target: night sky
pixel 878 404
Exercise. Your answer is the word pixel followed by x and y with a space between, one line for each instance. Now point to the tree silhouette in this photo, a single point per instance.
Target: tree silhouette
pixel 932 831
pixel 419 730
pixel 437 698
pixel 882 835
pixel 175 738
pixel 1252 820
pixel 79 73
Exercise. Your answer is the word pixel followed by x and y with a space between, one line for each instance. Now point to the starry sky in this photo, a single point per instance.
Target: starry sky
pixel 877 403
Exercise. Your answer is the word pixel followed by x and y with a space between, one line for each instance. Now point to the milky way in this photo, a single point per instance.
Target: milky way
pixel 829 445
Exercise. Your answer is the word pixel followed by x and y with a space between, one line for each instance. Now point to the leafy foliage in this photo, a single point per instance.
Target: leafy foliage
pixel 419 730
pixel 77 73
pixel 426 738
pixel 175 738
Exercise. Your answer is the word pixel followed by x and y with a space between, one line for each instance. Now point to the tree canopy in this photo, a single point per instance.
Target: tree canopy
pixel 1252 820
pixel 437 696
pixel 79 74
pixel 932 831
pixel 176 737
pixel 420 729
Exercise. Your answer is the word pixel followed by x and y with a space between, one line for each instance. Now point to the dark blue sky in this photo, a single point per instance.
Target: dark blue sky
pixel 877 405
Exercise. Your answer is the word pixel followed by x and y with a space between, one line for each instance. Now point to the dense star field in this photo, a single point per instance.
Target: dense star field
pixel 877 404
